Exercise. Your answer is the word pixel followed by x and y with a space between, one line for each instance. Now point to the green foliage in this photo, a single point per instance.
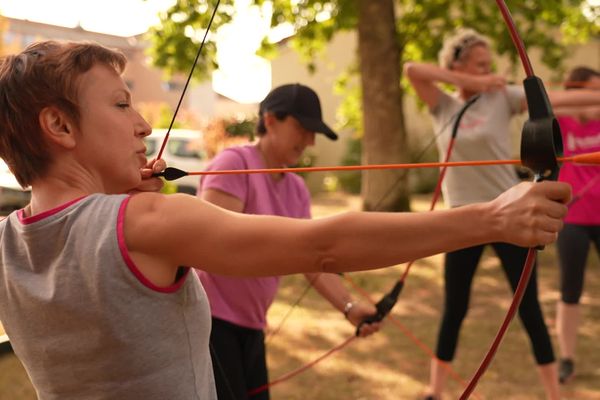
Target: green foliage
pixel 169 187
pixel 422 24
pixel 241 128
pixel 421 27
pixel 315 23
pixel 159 115
pixel 422 180
pixel 350 181
pixel 349 114
pixel 307 160
pixel 267 49
pixel 177 37
pixel 164 118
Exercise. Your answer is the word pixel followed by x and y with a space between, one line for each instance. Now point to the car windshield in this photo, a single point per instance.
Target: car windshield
pixel 178 147
pixel 151 146
pixel 183 148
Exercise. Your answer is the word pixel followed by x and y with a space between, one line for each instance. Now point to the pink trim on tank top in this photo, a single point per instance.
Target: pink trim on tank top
pixel 131 265
pixel 38 217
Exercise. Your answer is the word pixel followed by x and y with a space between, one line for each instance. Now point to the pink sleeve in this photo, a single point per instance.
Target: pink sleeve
pixel 235 185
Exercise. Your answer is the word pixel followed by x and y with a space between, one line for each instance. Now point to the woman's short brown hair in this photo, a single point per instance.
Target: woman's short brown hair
pixel 44 74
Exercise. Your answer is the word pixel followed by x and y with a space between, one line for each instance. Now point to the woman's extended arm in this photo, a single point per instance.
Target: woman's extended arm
pixel 168 231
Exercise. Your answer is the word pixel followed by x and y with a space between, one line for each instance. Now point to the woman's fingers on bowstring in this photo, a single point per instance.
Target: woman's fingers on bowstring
pixel 153 166
pixel 149 182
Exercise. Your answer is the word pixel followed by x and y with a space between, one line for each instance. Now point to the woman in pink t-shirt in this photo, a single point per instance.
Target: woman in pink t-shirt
pixel 581 134
pixel 288 118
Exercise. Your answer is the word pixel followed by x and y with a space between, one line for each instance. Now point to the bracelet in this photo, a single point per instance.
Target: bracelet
pixel 347 307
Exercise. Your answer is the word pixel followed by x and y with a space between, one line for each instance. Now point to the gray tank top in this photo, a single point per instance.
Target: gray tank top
pixel 85 322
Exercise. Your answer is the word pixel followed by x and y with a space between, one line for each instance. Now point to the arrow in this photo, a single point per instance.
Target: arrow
pixel 171 173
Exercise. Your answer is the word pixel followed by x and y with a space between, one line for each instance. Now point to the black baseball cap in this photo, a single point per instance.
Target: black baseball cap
pixel 302 103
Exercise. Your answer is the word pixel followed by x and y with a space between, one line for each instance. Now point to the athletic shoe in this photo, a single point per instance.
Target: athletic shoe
pixel 566 368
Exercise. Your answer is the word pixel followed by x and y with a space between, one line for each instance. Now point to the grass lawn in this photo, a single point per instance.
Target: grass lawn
pixel 391 365
pixel 394 364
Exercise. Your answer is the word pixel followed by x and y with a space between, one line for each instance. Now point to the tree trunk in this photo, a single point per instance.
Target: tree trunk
pixel 384 138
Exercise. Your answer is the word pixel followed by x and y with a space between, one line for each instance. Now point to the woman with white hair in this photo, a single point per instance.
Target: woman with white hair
pixel 466 63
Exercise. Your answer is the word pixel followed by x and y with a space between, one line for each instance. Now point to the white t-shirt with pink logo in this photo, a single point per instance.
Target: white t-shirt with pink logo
pixel 483 134
pixel 245 301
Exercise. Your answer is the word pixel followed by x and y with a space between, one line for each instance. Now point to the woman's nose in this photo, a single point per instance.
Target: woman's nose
pixel 143 127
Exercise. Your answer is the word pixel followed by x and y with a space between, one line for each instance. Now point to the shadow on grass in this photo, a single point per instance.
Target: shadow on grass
pixel 390 366
pixel 14 382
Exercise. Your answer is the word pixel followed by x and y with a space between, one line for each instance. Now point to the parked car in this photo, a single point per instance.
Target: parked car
pixel 184 150
pixel 12 196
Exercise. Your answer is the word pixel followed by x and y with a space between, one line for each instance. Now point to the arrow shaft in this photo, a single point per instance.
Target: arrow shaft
pixel 359 167
pixel 589 159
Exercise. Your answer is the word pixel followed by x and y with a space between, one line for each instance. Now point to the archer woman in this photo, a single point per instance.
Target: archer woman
pixel 466 63
pixel 580 128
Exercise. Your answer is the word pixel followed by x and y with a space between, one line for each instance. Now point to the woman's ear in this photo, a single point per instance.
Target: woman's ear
pixel 57 127
pixel 269 119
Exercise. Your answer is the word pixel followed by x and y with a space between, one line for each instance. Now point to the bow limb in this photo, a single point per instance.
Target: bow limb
pixel 540 142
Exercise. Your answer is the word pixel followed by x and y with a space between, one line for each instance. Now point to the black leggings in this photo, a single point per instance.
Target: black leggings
pixel 459 269
pixel 239 363
pixel 573 248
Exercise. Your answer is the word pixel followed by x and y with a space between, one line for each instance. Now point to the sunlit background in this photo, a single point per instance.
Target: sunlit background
pixel 243 76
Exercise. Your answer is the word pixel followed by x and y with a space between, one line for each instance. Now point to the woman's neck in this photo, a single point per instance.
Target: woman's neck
pixel 268 159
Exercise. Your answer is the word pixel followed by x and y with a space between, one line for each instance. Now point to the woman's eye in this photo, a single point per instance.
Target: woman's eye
pixel 123 105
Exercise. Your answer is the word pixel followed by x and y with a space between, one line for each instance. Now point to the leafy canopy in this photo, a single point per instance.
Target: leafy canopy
pixel 421 26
